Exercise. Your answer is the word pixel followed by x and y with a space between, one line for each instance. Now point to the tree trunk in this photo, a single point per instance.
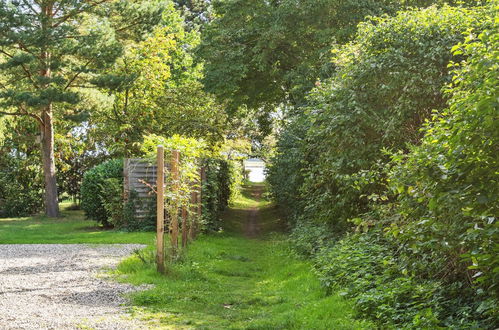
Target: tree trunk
pixel 47 145
pixel 47 128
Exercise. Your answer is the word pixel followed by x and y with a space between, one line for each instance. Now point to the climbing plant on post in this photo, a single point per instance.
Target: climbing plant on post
pixel 183 180
pixel 174 202
pixel 50 49
pixel 160 208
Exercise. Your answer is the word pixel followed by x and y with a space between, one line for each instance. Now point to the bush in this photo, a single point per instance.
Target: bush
pixel 21 187
pixel 448 186
pixel 92 190
pixel 223 179
pixel 367 269
pixel 388 81
pixel 112 199
pixel 424 194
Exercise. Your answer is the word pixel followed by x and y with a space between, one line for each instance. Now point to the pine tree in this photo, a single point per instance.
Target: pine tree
pixel 49 49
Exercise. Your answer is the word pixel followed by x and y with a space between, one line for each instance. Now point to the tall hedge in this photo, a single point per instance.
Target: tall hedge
pixel 92 189
pixel 388 82
pixel 400 146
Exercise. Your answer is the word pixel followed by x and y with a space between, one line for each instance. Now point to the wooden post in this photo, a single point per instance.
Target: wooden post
pixel 175 189
pixel 193 224
pixel 160 210
pixel 202 178
pixel 184 226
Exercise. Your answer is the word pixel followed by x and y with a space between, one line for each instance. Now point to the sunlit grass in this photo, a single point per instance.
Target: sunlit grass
pixel 226 281
pixel 71 227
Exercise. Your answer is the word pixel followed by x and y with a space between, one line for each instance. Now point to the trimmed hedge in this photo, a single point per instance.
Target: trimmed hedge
pixel 92 189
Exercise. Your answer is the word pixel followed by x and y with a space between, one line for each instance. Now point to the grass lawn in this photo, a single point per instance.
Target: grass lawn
pixel 72 227
pixel 228 281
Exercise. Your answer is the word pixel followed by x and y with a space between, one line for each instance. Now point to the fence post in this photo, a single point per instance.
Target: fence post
pixel 202 178
pixel 184 226
pixel 174 215
pixel 160 209
pixel 193 224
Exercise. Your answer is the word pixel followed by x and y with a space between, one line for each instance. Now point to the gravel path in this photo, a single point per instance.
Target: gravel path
pixel 59 286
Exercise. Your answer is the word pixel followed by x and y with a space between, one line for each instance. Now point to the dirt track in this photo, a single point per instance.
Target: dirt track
pixel 252 227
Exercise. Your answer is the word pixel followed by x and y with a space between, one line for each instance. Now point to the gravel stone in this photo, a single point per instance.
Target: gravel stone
pixel 63 286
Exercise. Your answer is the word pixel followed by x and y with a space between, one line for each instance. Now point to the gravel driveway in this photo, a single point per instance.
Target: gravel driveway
pixel 59 286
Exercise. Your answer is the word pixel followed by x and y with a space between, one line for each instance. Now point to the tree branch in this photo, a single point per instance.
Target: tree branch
pixel 76 76
pixel 76 12
pixel 28 74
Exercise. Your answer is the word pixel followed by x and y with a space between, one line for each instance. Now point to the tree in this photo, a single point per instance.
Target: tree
pixel 388 81
pixel 51 48
pixel 161 93
pixel 196 13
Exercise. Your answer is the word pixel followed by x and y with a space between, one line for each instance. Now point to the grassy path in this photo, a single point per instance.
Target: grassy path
pixel 245 277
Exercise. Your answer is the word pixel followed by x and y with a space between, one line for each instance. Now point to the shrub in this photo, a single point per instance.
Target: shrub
pixel 448 185
pixel 388 81
pixel 92 189
pixel 21 187
pixel 216 190
pixel 111 196
pixel 425 194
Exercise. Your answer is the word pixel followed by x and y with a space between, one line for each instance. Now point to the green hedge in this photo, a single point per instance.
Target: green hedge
pixel 223 178
pixel 21 186
pixel 93 187
pixel 400 145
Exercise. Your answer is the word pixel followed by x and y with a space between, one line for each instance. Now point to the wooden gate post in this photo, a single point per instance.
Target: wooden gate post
pixel 202 178
pixel 174 215
pixel 160 210
pixel 184 226
pixel 193 220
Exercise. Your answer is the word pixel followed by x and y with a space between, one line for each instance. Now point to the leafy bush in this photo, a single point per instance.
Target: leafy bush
pixel 367 268
pixel 309 237
pixel 21 178
pixel 387 147
pixel 112 199
pixel 448 185
pixel 222 180
pixel 223 176
pixel 388 82
pixel 92 193
pixel 21 187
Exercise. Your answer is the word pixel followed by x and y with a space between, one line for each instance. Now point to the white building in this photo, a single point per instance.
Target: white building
pixel 256 169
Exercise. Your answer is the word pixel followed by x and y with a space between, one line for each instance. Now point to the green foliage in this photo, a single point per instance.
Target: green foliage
pixel 21 187
pixel 264 53
pixel 388 82
pixel 75 153
pixel 21 182
pixel 386 147
pixel 111 195
pixel 448 185
pixel 196 13
pixel 156 90
pixel 78 50
pixel 309 237
pixel 94 191
pixel 221 181
pixel 284 172
pixel 368 269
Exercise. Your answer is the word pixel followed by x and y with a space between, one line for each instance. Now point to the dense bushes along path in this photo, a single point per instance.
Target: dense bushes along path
pixel 245 276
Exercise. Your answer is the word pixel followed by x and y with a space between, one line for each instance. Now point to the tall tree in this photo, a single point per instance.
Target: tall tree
pixel 161 94
pixel 195 12
pixel 52 48
pixel 263 53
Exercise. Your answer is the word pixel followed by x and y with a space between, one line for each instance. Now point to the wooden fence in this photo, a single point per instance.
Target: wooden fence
pixel 144 178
